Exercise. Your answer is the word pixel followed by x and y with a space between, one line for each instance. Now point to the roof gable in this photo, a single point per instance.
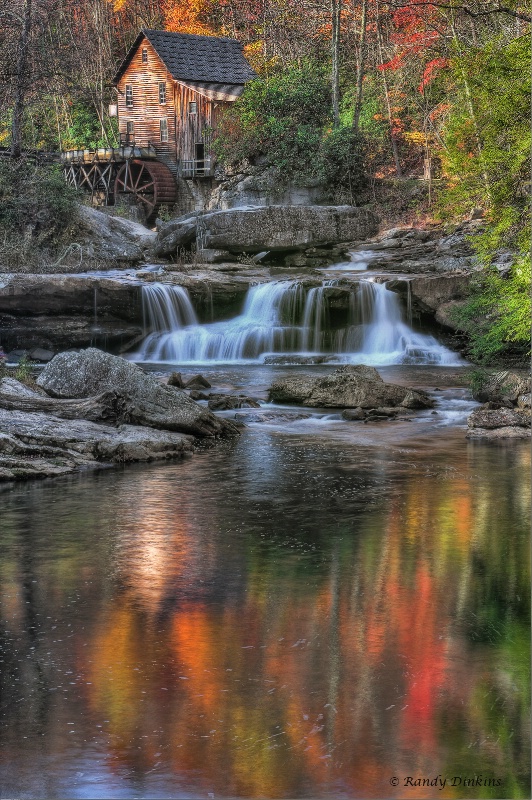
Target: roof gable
pixel 210 59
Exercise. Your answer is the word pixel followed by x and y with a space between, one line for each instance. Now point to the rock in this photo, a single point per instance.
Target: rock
pixel 353 414
pixel 35 445
pixel 386 412
pixel 226 402
pixel 523 401
pixel 195 395
pixel 174 234
pixel 417 399
pixel 176 380
pixel 350 386
pixel 14 356
pixel 292 390
pixel 272 228
pixel 271 416
pixel 197 382
pixel 40 354
pixel 498 433
pixel 263 185
pixel 13 388
pixel 108 238
pixel 298 359
pixel 56 312
pixel 91 371
pixel 210 256
pixel 490 418
pixel 503 386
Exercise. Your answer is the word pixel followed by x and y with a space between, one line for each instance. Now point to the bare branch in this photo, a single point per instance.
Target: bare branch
pixel 475 14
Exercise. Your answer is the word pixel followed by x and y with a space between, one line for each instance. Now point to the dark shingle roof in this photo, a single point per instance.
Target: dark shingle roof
pixel 197 58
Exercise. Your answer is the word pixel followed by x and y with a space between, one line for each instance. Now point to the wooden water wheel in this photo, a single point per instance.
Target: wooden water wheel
pixel 150 183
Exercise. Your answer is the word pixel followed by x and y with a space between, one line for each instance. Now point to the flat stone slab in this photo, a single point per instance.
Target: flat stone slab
pixel 34 445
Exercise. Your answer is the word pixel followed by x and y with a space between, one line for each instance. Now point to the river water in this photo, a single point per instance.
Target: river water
pixel 312 610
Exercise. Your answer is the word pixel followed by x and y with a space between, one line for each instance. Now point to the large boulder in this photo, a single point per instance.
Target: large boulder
pixel 108 238
pixel 270 228
pixel 89 372
pixel 350 386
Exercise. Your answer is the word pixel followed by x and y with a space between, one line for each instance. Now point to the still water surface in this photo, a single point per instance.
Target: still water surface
pixel 306 612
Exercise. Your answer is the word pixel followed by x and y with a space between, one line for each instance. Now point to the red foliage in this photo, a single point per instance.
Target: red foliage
pixel 429 71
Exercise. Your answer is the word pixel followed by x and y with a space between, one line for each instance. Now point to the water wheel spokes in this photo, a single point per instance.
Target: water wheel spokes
pixel 150 183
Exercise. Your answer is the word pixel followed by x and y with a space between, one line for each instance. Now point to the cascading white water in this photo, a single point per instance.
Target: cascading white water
pixel 284 317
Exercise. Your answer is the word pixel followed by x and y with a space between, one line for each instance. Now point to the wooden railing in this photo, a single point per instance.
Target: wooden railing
pixel 105 154
pixel 197 168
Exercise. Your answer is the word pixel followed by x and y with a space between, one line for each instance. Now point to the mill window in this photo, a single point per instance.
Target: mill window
pixel 162 93
pixel 164 130
pixel 130 128
pixel 144 55
pixel 129 95
pixel 193 107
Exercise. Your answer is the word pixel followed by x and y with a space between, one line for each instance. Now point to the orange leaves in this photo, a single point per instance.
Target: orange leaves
pixel 186 16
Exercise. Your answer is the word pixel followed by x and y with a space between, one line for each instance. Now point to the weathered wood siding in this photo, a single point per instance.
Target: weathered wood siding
pixel 192 128
pixel 185 130
pixel 146 111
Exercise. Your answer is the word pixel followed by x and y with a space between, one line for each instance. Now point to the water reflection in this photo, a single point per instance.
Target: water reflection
pixel 284 617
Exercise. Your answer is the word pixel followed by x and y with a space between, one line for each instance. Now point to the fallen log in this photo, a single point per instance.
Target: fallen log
pixel 110 406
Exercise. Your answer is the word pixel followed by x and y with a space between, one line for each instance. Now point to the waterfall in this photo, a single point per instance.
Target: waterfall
pixel 285 317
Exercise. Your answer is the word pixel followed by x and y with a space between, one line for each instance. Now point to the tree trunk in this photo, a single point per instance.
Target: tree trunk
pixel 360 66
pixel 106 407
pixel 393 141
pixel 335 45
pixel 21 81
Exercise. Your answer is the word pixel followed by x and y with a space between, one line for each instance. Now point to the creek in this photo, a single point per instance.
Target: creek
pixel 310 610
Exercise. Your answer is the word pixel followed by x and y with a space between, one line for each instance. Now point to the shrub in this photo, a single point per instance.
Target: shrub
pixel 36 205
pixel 341 162
pixel 281 118
pixel 497 315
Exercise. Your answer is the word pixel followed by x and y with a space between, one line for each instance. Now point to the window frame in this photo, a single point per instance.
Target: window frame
pixel 162 93
pixel 163 129
pixel 130 127
pixel 144 55
pixel 192 103
pixel 129 95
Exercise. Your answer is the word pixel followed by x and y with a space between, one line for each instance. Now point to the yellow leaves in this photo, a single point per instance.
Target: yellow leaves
pixel 415 137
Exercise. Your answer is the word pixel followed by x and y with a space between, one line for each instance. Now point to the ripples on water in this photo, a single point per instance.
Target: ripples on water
pixel 304 612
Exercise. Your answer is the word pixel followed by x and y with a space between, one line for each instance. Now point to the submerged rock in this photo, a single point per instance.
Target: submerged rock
pixel 354 414
pixel 89 372
pixel 350 386
pixel 227 402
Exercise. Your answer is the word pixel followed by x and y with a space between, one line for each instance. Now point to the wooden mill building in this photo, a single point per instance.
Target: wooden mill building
pixel 170 90
pixel 171 87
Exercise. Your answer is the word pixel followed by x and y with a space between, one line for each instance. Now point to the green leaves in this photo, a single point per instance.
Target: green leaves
pixel 487 162
pixel 281 117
